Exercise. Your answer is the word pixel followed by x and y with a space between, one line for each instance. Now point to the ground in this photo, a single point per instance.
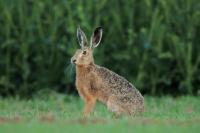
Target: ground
pixel 61 113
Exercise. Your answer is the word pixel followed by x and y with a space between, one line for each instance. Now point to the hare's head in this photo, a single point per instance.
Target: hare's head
pixel 84 55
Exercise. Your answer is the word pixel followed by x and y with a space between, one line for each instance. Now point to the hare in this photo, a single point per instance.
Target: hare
pixel 94 82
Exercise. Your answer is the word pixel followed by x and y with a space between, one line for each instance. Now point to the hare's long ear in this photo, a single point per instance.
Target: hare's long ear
pixel 96 37
pixel 81 37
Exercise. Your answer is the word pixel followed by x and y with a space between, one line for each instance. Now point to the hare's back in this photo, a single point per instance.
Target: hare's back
pixel 118 84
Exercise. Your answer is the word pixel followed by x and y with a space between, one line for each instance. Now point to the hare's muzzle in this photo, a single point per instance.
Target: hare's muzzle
pixel 73 61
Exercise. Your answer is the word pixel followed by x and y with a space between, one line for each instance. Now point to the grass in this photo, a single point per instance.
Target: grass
pixel 60 113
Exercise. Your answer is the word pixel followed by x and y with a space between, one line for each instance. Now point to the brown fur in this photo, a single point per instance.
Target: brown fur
pixel 94 83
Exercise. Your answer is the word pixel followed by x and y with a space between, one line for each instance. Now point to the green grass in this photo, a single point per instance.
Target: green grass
pixel 60 113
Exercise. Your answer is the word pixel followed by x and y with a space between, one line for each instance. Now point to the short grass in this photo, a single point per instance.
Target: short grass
pixel 63 114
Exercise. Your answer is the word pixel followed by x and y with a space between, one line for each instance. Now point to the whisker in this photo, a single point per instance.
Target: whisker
pixel 70 71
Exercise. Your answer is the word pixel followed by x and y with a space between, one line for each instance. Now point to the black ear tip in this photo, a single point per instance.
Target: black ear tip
pixel 100 28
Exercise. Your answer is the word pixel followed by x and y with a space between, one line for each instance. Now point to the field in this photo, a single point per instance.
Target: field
pixel 61 113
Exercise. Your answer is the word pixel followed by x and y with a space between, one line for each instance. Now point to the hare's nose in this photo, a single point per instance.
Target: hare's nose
pixel 73 60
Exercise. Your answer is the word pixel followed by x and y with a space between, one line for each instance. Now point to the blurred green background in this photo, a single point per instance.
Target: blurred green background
pixel 154 44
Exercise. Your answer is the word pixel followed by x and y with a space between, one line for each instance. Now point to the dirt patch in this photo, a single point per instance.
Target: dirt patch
pixel 189 109
pixel 86 121
pixel 15 119
pixel 49 117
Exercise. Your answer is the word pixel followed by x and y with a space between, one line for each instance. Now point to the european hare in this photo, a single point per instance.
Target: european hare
pixel 94 82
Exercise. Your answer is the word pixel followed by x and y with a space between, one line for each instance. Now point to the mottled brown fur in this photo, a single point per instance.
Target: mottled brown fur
pixel 94 83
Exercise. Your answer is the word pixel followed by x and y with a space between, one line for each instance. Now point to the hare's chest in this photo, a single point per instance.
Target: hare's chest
pixel 83 86
pixel 82 82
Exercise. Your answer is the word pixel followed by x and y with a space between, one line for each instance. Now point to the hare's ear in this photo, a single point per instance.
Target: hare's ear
pixel 81 37
pixel 96 37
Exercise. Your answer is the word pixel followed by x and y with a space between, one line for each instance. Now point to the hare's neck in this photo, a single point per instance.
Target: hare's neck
pixel 82 71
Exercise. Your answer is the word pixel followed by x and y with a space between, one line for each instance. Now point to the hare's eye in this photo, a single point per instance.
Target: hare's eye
pixel 84 52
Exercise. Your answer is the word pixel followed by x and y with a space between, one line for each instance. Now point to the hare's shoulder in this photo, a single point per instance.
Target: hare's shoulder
pixel 114 80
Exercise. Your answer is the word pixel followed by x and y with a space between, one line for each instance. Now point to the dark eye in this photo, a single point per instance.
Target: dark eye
pixel 84 52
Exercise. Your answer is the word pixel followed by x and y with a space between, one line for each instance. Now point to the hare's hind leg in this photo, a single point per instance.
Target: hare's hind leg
pixel 114 105
pixel 120 105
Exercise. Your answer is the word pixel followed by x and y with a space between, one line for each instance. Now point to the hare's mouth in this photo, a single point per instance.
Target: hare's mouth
pixel 73 61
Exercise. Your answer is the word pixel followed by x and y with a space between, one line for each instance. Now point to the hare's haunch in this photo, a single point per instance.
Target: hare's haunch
pixel 94 82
